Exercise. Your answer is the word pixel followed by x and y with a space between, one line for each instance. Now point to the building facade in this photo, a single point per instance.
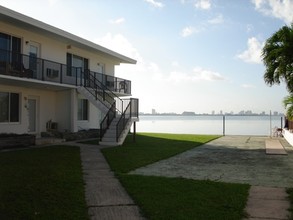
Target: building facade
pixel 51 79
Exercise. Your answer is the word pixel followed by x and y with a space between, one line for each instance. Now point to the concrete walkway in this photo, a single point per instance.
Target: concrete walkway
pixel 267 203
pixel 105 197
pixel 237 159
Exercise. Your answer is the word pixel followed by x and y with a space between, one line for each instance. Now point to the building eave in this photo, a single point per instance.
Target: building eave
pixel 23 21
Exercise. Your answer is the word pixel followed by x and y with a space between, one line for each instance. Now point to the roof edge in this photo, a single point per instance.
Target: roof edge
pixel 54 30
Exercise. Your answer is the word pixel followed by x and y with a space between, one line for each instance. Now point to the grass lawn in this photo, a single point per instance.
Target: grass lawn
pixel 43 183
pixel 290 192
pixel 173 198
pixel 149 148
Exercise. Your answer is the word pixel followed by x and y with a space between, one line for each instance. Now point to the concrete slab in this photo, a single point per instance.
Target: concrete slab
pixel 105 196
pixel 115 213
pixel 236 159
pixel 274 147
pixel 267 203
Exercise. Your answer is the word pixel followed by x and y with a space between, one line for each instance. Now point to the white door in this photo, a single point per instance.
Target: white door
pixel 32 115
pixel 34 62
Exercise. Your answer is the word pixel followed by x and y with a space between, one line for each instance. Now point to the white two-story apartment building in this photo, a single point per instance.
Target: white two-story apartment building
pixel 51 79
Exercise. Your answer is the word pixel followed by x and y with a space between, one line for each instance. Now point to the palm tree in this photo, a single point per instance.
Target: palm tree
pixel 278 58
pixel 288 104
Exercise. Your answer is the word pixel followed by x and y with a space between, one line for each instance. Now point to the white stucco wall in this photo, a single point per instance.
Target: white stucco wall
pixel 55 50
pixel 46 102
pixel 94 118
pixel 63 110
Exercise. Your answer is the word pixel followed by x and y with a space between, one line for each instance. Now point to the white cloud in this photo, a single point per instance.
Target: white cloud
pixel 187 31
pixel 156 4
pixel 281 9
pixel 118 21
pixel 119 44
pixel 203 4
pixel 52 2
pixel 217 20
pixel 247 86
pixel 207 75
pixel 197 74
pixel 249 28
pixel 253 52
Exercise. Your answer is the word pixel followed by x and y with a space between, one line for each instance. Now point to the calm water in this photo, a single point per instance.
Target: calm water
pixel 234 125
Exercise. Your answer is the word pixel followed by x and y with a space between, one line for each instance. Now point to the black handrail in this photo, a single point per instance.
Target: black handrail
pixel 130 111
pixel 125 117
pixel 21 65
pixel 105 123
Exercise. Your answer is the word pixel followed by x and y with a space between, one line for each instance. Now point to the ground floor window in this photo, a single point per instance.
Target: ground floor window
pixel 9 107
pixel 82 112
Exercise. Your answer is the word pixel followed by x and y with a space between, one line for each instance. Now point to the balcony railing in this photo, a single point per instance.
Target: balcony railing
pixel 20 65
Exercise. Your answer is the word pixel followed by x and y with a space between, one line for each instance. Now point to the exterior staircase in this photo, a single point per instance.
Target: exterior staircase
pixel 96 101
pixel 119 113
pixel 109 138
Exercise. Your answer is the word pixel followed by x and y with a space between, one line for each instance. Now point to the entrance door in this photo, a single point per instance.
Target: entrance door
pixel 32 115
pixel 34 63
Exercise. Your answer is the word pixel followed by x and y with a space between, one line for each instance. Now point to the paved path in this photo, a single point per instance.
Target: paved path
pixel 236 159
pixel 105 197
pixel 267 203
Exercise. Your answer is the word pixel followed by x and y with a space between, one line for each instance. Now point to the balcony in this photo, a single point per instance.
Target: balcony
pixel 24 66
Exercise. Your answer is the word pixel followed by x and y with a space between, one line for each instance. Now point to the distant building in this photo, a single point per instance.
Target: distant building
pixel 154 111
pixel 188 113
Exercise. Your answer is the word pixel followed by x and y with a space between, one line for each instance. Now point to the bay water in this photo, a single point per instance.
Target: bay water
pixel 259 125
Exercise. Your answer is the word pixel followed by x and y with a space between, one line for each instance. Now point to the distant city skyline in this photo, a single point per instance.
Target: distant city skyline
pixel 213 112
pixel 195 55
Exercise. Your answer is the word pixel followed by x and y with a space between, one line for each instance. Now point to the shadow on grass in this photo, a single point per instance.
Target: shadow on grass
pixel 178 198
pixel 42 183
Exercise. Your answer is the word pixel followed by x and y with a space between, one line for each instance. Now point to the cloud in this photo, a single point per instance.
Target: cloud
pixel 207 75
pixel 247 86
pixel 118 21
pixel 197 74
pixel 253 52
pixel 281 9
pixel 52 2
pixel 119 44
pixel 217 20
pixel 187 31
pixel 203 4
pixel 249 28
pixel 155 3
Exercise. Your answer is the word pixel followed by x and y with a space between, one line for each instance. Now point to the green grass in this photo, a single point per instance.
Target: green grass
pixel 177 198
pixel 173 198
pixel 149 148
pixel 44 183
pixel 290 192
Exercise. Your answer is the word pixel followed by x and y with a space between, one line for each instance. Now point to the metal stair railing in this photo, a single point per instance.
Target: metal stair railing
pixel 130 111
pixel 97 89
pixel 103 94
pixel 105 123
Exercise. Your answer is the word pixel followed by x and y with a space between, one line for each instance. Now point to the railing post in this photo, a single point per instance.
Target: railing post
pixel 43 70
pixel 223 125
pixel 61 73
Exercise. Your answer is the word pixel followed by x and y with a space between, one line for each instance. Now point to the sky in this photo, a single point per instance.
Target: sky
pixel 192 55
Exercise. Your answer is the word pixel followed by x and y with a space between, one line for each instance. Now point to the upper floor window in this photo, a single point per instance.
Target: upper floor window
pixel 9 107
pixel 76 64
pixel 9 43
